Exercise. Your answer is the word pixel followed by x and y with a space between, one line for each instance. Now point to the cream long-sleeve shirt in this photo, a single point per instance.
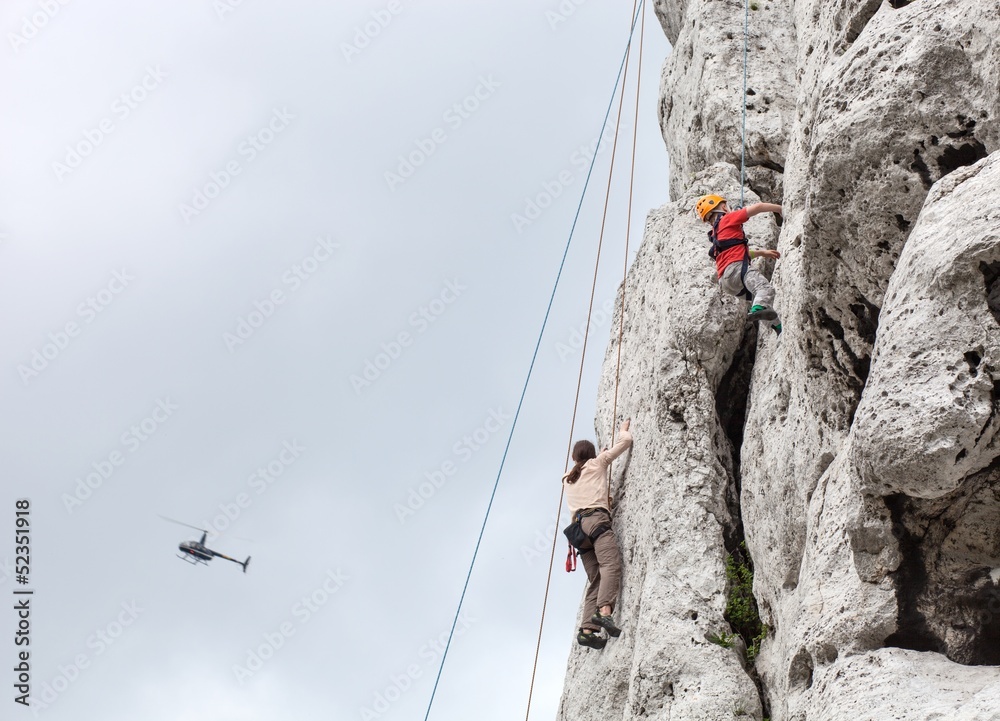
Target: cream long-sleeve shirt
pixel 591 490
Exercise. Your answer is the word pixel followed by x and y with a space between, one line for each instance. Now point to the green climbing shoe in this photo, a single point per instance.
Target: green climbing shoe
pixel 592 639
pixel 759 312
pixel 776 328
pixel 607 622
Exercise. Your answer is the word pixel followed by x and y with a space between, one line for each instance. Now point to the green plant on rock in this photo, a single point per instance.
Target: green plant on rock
pixel 754 6
pixel 721 639
pixel 753 648
pixel 741 607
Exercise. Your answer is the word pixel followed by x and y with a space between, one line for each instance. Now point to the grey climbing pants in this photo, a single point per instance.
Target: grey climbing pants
pixel 603 564
pixel 756 283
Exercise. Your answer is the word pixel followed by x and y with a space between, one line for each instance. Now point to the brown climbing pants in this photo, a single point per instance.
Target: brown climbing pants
pixel 603 564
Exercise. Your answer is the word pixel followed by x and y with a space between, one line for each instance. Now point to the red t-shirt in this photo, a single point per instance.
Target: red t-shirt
pixel 731 227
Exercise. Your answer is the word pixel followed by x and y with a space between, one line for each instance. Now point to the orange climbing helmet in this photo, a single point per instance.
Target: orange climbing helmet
pixel 707 203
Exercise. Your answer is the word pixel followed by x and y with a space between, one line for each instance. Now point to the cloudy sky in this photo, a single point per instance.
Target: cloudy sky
pixel 277 270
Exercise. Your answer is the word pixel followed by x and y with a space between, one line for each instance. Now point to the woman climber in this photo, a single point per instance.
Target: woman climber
pixel 732 255
pixel 586 495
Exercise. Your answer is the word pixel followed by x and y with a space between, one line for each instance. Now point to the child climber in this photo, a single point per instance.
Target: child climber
pixel 587 497
pixel 732 255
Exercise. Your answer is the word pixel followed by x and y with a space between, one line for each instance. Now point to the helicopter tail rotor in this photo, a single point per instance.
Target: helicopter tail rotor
pixel 245 563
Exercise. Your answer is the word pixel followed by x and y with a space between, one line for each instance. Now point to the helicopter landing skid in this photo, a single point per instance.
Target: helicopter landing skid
pixel 191 559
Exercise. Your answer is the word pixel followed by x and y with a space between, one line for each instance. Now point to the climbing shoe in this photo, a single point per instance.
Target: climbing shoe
pixel 592 639
pixel 607 623
pixel 776 328
pixel 759 312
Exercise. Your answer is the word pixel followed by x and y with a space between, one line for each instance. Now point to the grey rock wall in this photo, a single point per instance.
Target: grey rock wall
pixel 860 452
pixel 674 512
pixel 701 112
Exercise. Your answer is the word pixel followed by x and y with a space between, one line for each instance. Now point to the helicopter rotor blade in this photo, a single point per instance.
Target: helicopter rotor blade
pixel 215 534
pixel 224 534
pixel 181 523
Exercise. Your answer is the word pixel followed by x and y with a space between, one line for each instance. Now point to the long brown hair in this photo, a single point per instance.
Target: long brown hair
pixel 583 451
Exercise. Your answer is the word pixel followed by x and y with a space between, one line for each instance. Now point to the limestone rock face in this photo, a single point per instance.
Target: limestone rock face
pixel 897 684
pixel 929 417
pixel 701 90
pixel 671 15
pixel 858 454
pixel 681 335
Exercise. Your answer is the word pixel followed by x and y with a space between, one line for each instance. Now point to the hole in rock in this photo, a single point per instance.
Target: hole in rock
pixel 831 324
pixel 800 672
pixel 955 157
pixel 973 359
pixel 968 126
pixel 864 14
pixel 910 579
pixel 991 276
pixel 867 314
pixel 947 599
pixel 923 171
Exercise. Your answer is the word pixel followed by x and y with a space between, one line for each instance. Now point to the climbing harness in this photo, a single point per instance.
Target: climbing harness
pixel 517 412
pixel 718 246
pixel 580 539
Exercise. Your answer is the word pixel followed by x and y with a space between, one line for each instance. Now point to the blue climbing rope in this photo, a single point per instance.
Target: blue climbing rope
pixel 743 152
pixel 531 367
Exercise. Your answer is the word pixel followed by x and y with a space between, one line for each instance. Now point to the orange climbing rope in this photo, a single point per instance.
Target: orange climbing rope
pixel 636 4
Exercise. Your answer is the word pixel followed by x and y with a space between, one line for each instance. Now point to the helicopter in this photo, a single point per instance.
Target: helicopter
pixel 195 552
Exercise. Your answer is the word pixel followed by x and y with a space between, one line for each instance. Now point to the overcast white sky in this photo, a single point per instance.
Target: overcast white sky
pixel 201 247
